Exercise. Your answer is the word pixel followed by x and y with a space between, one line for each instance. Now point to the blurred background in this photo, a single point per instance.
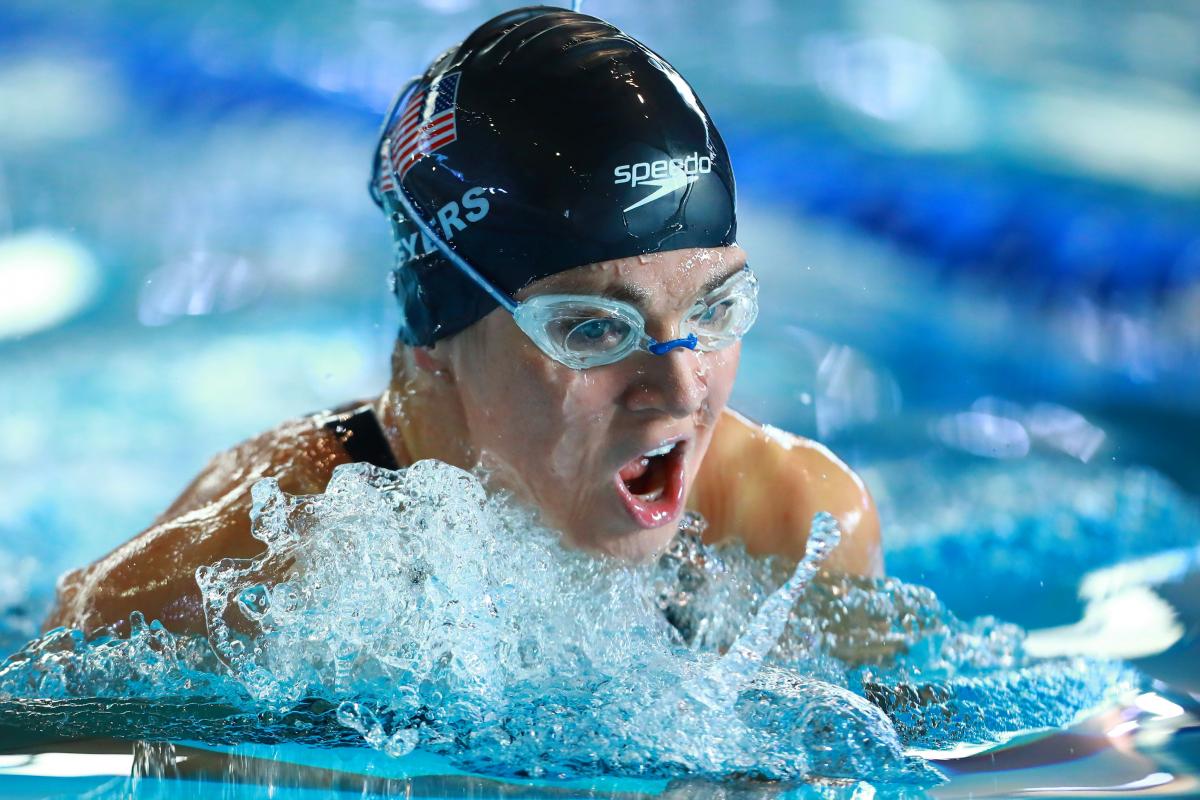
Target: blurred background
pixel 978 222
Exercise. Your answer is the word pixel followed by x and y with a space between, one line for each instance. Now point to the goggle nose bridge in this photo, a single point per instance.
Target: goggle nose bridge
pixel 689 342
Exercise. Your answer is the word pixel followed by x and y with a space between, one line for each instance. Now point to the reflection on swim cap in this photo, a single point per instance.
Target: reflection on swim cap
pixel 546 140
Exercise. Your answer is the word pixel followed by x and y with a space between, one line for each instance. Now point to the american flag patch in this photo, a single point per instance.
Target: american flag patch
pixel 410 138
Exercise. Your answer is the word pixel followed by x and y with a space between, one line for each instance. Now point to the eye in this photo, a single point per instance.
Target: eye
pixel 597 335
pixel 594 330
pixel 715 316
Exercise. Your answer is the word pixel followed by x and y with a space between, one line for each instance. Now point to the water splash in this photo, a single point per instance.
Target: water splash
pixel 410 609
pixel 721 682
pixel 433 614
pixel 150 664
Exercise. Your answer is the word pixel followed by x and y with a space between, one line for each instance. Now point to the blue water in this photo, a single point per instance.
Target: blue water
pixel 431 618
pixel 564 672
pixel 930 315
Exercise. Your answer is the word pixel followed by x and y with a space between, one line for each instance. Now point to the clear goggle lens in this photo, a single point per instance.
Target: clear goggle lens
pixel 725 314
pixel 584 332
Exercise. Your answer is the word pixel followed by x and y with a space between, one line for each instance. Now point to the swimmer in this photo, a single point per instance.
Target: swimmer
pixel 573 300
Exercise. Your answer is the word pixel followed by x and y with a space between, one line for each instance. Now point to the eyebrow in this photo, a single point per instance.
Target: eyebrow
pixel 627 292
pixel 638 295
pixel 717 280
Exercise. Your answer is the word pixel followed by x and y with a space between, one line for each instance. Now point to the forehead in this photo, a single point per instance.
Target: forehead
pixel 649 280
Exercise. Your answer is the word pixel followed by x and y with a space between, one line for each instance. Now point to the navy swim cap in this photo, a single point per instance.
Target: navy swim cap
pixel 547 140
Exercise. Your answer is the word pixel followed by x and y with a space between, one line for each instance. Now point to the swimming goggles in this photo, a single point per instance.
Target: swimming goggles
pixel 582 331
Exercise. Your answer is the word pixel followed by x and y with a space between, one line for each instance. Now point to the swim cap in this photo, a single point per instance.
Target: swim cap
pixel 546 140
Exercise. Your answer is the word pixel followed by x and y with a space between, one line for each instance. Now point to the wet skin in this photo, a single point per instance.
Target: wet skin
pixel 558 438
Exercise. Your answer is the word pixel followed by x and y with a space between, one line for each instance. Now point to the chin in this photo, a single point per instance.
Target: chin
pixel 634 545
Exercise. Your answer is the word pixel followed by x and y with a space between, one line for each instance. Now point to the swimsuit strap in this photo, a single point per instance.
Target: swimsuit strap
pixel 361 435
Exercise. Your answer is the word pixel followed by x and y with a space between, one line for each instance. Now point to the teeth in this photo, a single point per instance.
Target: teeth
pixel 662 451
pixel 651 497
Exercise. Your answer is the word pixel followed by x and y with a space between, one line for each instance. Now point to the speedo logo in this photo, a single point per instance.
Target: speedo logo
pixel 667 174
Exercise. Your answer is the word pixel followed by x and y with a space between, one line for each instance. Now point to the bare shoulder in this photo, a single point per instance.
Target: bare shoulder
pixel 300 453
pixel 154 572
pixel 764 485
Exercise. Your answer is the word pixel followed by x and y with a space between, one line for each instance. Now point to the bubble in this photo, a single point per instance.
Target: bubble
pixel 255 602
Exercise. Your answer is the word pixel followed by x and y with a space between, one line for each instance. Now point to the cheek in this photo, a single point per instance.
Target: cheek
pixel 583 421
pixel 512 400
pixel 720 372
pixel 532 412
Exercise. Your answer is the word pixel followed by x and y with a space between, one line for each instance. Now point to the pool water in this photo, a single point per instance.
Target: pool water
pixel 1038 633
pixel 493 662
pixel 998 331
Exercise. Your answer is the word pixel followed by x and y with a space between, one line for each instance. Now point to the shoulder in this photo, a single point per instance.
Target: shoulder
pixel 767 484
pixel 300 453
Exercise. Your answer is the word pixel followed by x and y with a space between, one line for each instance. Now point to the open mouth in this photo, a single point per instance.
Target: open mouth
pixel 651 485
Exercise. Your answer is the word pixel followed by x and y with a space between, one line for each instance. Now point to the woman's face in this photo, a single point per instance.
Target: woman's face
pixel 609 453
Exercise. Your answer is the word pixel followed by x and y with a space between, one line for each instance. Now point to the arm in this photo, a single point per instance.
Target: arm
pixel 764 485
pixel 155 571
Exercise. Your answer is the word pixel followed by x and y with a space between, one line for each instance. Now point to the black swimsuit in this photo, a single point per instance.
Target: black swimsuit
pixel 360 433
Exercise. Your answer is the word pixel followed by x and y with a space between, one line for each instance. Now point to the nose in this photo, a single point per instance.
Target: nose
pixel 673 384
